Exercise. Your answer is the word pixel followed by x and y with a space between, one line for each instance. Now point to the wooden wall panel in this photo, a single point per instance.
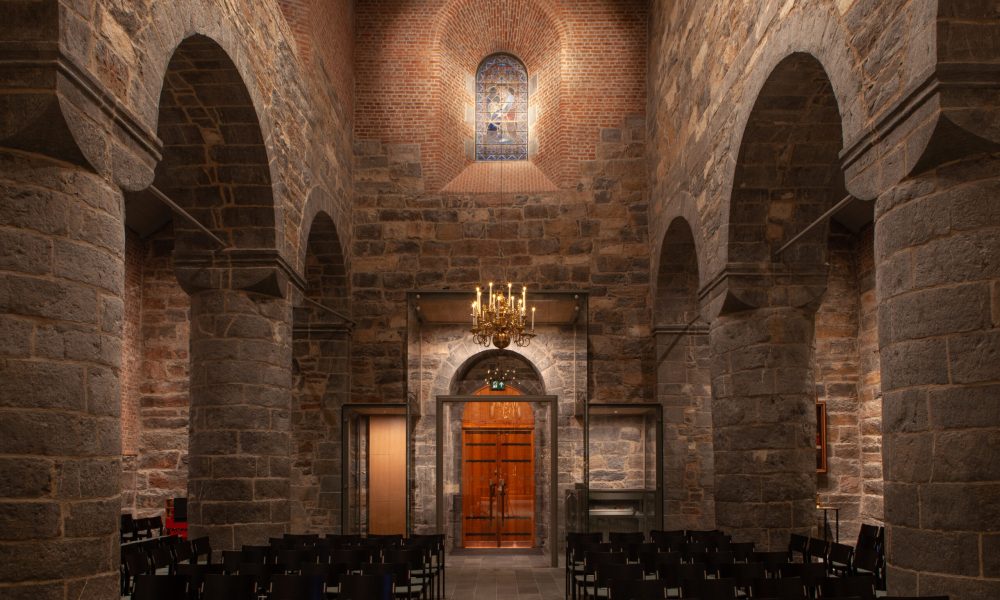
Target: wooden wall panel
pixel 387 474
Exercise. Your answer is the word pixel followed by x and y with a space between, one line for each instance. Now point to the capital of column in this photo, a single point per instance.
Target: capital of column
pixel 744 286
pixel 260 270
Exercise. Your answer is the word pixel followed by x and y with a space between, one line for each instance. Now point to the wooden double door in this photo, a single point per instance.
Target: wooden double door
pixel 498 487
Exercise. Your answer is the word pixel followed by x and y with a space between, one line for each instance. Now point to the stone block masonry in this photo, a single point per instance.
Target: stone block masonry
pixel 61 314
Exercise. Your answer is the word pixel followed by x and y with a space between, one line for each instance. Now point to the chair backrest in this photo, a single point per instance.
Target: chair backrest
pixel 643 589
pixel 913 598
pixel 798 544
pixel 202 547
pixel 817 549
pixel 620 539
pixel 365 587
pixel 159 587
pixel 156 525
pixel 742 551
pixel 840 554
pixel 231 560
pixel 668 540
pixel 255 554
pixel 297 587
pixel 711 589
pixel 228 587
pixel 786 588
pixel 607 573
pixel 862 586
pixel 743 573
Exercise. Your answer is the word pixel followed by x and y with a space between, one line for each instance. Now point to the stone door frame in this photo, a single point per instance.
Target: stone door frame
pixel 550 402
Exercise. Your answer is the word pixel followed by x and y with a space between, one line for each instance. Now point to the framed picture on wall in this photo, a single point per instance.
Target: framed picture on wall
pixel 821 436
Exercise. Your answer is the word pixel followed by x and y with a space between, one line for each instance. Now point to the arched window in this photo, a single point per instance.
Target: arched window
pixel 501 109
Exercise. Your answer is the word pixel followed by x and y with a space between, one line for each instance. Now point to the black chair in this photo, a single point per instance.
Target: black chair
pixel 155 526
pixel 798 544
pixel 159 587
pixel 620 539
pixel 255 554
pixel 742 551
pixel 365 587
pixel 913 598
pixel 711 589
pixel 231 561
pixel 744 574
pixel 840 559
pixel 714 560
pixel 783 588
pixel 162 560
pixel 417 561
pixel 812 575
pixel 668 541
pixel 679 576
pixel 635 551
pixel 228 587
pixel 862 586
pixel 772 561
pixel 434 543
pixel 330 574
pixel 592 561
pixel 818 550
pixel 126 530
pixel 201 547
pixel 297 587
pixel 646 589
pixel 135 563
pixel 260 573
pixel 651 561
pixel 610 573
pixel 195 576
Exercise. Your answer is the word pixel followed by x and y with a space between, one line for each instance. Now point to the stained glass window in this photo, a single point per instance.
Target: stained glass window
pixel 501 109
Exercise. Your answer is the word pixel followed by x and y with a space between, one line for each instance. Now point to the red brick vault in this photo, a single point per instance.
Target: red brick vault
pixel 416 61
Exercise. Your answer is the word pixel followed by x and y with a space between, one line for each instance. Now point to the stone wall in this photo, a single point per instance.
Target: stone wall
pixel 592 239
pixel 157 468
pixel 837 370
pixel 870 382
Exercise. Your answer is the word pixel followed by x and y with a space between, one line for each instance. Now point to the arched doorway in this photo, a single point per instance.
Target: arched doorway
pixel 498 472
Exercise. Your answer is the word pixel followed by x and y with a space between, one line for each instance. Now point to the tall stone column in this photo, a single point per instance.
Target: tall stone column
pixel 241 357
pixel 62 245
pixel 764 418
pixel 683 387
pixel 937 250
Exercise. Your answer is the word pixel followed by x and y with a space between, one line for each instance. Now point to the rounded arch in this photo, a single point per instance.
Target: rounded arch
pixel 830 48
pixel 677 280
pixel 471 375
pixel 465 33
pixel 787 174
pixel 215 161
pixel 683 208
pixel 324 268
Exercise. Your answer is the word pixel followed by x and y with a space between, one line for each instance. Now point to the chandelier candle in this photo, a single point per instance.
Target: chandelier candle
pixel 504 318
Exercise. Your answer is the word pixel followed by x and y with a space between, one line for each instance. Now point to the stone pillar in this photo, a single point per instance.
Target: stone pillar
pixel 321 350
pixel 62 245
pixel 764 419
pixel 241 356
pixel 683 387
pixel 937 250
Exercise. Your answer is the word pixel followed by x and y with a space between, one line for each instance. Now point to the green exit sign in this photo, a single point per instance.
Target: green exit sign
pixel 497 385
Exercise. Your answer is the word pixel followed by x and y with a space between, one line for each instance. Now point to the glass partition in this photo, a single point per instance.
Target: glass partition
pixel 375 479
pixel 623 466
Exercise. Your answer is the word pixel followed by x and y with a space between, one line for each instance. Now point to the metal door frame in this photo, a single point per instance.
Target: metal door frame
pixel 552 403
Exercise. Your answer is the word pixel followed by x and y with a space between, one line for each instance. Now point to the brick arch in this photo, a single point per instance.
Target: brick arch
pixel 830 46
pixel 677 280
pixel 215 163
pixel 324 267
pixel 684 210
pixel 787 174
pixel 465 34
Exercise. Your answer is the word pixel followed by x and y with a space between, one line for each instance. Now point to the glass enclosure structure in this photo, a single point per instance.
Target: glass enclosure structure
pixel 376 479
pixel 623 466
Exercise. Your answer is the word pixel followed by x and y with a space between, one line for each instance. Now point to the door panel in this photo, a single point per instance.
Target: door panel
pixel 498 494
pixel 387 474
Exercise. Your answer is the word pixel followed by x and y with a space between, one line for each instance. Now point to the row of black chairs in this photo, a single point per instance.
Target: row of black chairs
pixel 708 565
pixel 218 586
pixel 160 555
pixel 414 565
pixel 133 528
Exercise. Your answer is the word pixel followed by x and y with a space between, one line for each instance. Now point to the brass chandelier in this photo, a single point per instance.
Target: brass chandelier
pixel 502 319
